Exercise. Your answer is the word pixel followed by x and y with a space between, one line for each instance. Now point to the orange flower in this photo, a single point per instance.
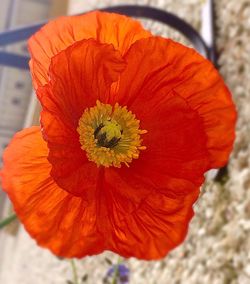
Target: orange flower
pixel 130 124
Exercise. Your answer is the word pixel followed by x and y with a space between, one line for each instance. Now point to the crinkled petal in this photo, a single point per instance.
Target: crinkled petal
pixel 158 226
pixel 160 71
pixel 147 224
pixel 106 218
pixel 176 156
pixel 57 35
pixel 80 75
pixel 56 219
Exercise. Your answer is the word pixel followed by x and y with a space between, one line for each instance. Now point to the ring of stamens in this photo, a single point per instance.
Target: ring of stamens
pixel 110 135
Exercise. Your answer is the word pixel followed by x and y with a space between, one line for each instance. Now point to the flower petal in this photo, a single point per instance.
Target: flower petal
pixel 176 156
pixel 75 227
pixel 158 226
pixel 150 203
pixel 146 225
pixel 57 35
pixel 159 69
pixel 80 75
pixel 65 224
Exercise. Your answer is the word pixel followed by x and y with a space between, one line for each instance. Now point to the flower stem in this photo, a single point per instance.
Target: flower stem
pixel 74 270
pixel 7 221
pixel 116 271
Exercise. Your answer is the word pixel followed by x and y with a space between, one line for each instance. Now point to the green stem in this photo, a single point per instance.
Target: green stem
pixel 116 271
pixel 7 220
pixel 74 270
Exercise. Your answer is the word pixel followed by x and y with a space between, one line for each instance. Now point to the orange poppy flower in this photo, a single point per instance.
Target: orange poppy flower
pixel 130 124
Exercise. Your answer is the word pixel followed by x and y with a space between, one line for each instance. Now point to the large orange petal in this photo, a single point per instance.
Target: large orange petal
pixel 159 69
pixel 159 225
pixel 71 226
pixel 65 224
pixel 80 75
pixel 57 35
pixel 147 223
pixel 176 156
pixel 151 201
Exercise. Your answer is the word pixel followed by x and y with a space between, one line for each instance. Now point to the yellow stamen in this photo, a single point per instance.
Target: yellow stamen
pixel 110 135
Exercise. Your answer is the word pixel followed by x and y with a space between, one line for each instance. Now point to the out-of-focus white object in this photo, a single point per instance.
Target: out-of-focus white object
pixel 207 24
pixel 16 102
pixel 15 85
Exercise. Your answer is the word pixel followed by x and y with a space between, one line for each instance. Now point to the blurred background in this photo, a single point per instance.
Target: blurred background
pixel 217 248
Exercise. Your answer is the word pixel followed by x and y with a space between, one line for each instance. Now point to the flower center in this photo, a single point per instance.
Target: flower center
pixel 110 135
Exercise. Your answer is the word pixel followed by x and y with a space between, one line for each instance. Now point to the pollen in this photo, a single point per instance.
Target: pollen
pixel 110 135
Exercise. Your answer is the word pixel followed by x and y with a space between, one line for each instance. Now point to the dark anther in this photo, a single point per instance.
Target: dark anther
pixel 97 130
pixel 102 138
pixel 113 142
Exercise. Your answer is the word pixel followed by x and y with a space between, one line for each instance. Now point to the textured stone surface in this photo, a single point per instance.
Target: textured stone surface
pixel 217 249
